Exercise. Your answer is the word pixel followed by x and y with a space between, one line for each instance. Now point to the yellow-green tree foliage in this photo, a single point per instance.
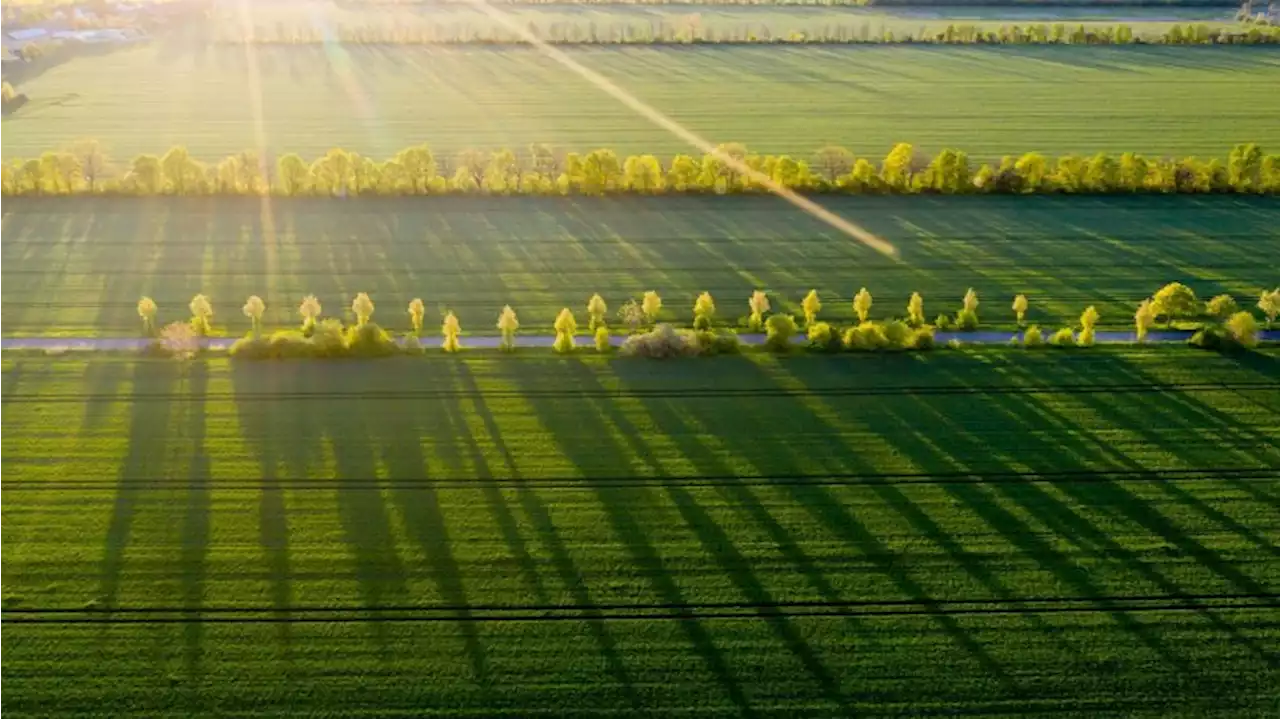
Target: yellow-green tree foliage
pixel 1088 320
pixel 362 308
pixel 309 310
pixel 862 304
pixel 451 329
pixel 652 305
pixel 1244 328
pixel 915 310
pixel 507 325
pixel 759 304
pixel 253 309
pixel 811 305
pixel 1144 318
pixel 201 315
pixel 1269 303
pixel 596 310
pixel 565 327
pixel 147 311
pixel 1020 307
pixel 417 310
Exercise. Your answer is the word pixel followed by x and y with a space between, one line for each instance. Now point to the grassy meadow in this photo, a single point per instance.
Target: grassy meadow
pixel 988 101
pixel 1087 533
pixel 79 269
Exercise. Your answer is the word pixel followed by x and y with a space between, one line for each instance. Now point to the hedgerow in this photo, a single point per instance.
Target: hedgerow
pixel 729 169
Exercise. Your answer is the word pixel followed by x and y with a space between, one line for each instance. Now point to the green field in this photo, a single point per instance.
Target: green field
pixel 78 269
pixel 376 100
pixel 961 533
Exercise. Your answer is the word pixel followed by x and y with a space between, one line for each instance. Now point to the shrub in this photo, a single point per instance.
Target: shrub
pixel 1222 307
pixel 922 339
pixel 710 343
pixel 413 345
pixel 1063 338
pixel 369 340
pixel 178 340
pixel 1033 338
pixel 966 320
pixel 602 339
pixel 823 338
pixel 1212 338
pixel 251 346
pixel 897 335
pixel 329 339
pixel 1243 328
pixel 942 322
pixel 662 342
pixel 779 331
pixel 866 337
pixel 290 344
pixel 702 323
pixel 954 344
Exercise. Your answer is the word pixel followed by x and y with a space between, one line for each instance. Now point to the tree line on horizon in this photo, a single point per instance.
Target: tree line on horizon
pixel 85 169
pixel 693 32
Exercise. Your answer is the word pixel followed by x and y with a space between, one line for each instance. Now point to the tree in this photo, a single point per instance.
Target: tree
pixel 602 339
pixel 565 326
pixel 362 307
pixel 1244 165
pixel 181 173
pixel 503 173
pixel 683 174
pixel 1020 308
pixel 201 314
pixel 416 312
pixel 507 325
pixel 145 176
pixel 896 168
pixel 1133 172
pixel 1244 328
pixel 419 167
pixel 309 310
pixel 643 174
pixel 601 172
pixel 292 175
pixel 596 310
pixel 833 162
pixel 1032 168
pixel 862 304
pixel 811 306
pixel 970 302
pixel 652 305
pixel 451 329
pixel 253 309
pixel 147 311
pixel 915 310
pixel 631 315
pixel 93 161
pixel 1175 301
pixel 1102 173
pixel 1144 318
pixel 704 310
pixel 1269 303
pixel 759 304
pixel 1088 320
pixel 1222 307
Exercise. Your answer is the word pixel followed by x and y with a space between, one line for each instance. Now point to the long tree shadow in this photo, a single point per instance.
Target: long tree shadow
pixel 1034 421
pixel 195 526
pixel 1186 415
pixel 563 419
pixel 151 401
pixel 400 438
pixel 259 422
pixel 366 527
pixel 570 577
pixel 819 501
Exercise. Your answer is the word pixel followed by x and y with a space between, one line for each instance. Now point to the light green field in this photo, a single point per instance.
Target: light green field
pixel 78 267
pixel 962 532
pixel 375 100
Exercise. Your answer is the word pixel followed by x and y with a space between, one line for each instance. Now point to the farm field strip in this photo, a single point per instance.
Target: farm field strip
pixel 1123 544
pixel 80 272
pixel 792 100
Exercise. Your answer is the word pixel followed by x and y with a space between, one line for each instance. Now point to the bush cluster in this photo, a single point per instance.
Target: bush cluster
pixel 730 169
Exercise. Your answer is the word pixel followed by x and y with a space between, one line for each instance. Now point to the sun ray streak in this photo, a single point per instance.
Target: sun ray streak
pixel 653 115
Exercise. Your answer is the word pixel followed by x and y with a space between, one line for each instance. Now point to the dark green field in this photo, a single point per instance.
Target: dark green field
pixel 979 533
pixel 79 269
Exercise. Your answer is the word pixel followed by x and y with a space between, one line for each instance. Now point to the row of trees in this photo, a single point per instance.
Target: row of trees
pixel 319 336
pixel 691 31
pixel 85 168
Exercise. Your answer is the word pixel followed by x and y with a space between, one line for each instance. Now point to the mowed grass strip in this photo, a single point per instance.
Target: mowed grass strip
pixel 179 489
pixel 987 101
pixel 78 269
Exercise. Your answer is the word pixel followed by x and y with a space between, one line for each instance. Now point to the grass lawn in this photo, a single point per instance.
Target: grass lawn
pixel 78 268
pixel 961 532
pixel 990 101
